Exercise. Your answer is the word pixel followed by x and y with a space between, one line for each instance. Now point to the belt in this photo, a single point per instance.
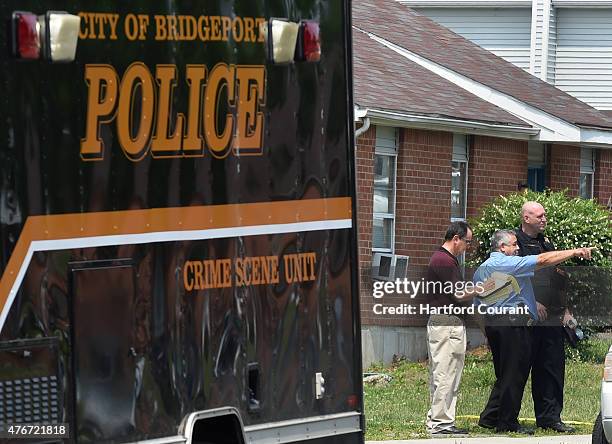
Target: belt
pixel 510 320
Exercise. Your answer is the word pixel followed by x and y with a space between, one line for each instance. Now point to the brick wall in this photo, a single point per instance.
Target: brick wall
pixel 496 166
pixel 423 193
pixel 423 183
pixel 423 206
pixel 422 210
pixel 564 168
pixel 603 176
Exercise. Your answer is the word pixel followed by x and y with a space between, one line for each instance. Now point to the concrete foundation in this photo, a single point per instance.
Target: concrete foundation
pixel 382 343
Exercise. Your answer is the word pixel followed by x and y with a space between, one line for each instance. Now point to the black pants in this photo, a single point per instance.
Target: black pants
pixel 511 349
pixel 547 374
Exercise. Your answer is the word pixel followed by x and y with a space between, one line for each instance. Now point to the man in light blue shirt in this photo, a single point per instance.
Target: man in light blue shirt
pixel 507 330
pixel 502 268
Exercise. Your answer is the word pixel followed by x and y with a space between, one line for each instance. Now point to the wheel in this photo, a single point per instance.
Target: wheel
pixel 598 432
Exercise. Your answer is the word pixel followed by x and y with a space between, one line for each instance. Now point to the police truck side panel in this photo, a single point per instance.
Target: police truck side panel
pixel 178 258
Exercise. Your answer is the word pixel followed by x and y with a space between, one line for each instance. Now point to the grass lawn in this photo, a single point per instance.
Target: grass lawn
pixel 397 410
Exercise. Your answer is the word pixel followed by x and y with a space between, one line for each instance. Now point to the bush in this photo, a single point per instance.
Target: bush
pixel 572 222
pixel 591 349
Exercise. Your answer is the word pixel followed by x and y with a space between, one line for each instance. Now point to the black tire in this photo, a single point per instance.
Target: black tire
pixel 598 432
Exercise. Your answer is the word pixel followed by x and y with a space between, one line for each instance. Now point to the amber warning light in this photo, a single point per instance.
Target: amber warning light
pixel 52 36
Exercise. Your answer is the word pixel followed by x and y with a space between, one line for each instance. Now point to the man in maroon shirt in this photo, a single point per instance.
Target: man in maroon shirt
pixel 446 336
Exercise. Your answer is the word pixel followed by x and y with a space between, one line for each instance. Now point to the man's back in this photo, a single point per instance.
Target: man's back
pixel 521 268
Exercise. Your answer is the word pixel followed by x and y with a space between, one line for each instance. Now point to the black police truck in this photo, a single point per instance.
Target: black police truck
pixel 177 222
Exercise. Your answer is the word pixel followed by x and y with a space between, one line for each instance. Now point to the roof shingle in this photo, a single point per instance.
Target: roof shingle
pixel 387 81
pixel 404 27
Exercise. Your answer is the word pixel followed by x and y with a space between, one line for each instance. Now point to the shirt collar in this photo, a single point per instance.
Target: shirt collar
pixel 520 232
pixel 444 250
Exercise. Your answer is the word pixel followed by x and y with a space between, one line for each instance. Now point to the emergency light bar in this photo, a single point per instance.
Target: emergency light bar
pixel 289 41
pixel 52 36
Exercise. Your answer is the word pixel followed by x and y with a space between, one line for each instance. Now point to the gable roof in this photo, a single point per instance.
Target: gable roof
pixel 418 34
pixel 385 81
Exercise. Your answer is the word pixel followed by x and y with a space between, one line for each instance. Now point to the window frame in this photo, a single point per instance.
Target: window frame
pixel 537 163
pixel 587 170
pixel 466 160
pixel 389 152
pixel 591 191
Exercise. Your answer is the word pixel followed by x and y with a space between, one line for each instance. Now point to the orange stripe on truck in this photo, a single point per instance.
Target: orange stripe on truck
pixel 111 223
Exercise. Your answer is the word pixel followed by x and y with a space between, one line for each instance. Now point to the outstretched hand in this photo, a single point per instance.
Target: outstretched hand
pixel 584 252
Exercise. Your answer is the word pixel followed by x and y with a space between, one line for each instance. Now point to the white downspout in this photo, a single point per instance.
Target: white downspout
pixel 363 128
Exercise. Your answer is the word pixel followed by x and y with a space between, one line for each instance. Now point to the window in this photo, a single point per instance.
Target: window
pixel 385 164
pixel 459 177
pixel 536 166
pixel 587 170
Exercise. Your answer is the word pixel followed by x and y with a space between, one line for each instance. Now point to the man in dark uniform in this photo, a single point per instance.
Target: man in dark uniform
pixel 510 333
pixel 548 354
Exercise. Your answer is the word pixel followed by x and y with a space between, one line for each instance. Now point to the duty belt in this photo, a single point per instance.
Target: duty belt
pixel 510 320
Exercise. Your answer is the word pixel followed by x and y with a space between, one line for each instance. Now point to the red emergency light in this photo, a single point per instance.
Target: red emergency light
pixel 51 36
pixel 289 42
pixel 310 42
pixel 26 37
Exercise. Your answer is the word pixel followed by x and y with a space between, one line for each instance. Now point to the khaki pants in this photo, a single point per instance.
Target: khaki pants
pixel 446 342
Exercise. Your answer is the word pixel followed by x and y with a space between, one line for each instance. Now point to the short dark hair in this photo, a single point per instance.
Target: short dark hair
pixel 457 228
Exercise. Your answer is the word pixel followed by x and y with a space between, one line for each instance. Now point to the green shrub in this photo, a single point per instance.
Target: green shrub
pixel 572 222
pixel 591 349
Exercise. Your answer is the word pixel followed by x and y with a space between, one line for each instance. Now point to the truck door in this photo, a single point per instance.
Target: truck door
pixel 104 360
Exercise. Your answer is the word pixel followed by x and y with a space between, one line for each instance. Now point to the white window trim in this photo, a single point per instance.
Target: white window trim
pixel 590 172
pixel 391 153
pixel 392 215
pixel 465 191
pixel 592 191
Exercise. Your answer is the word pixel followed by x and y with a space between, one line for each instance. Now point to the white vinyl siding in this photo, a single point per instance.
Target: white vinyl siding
pixel 544 39
pixel 465 3
pixel 584 54
pixel 537 37
pixel 552 46
pixel 506 32
pixel 582 3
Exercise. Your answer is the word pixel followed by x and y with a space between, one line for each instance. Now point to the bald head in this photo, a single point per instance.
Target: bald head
pixel 533 218
pixel 531 206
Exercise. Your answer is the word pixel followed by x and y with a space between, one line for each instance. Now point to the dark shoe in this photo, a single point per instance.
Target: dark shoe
pixel 520 429
pixel 559 427
pixel 525 431
pixel 486 425
pixel 450 431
